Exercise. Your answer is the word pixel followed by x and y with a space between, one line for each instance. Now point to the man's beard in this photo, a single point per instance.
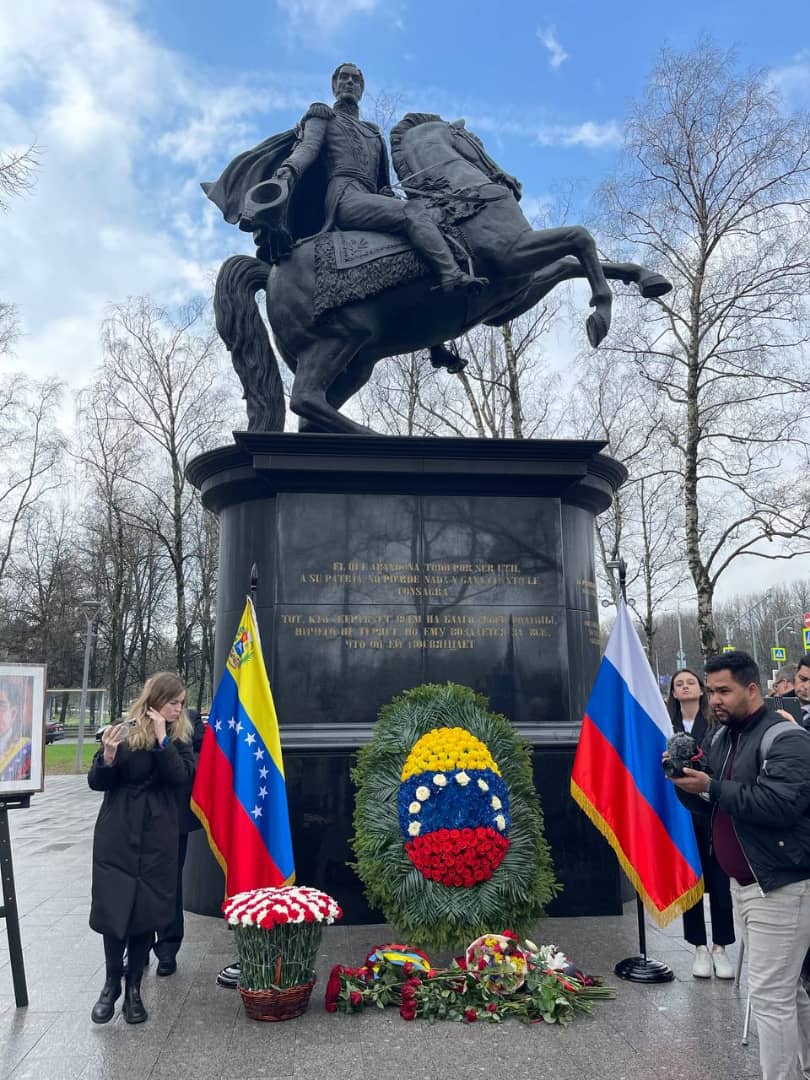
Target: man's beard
pixel 730 721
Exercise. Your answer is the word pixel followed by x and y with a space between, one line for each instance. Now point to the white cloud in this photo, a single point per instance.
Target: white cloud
pixel 116 210
pixel 590 134
pixel 793 80
pixel 325 16
pixel 200 136
pixel 556 53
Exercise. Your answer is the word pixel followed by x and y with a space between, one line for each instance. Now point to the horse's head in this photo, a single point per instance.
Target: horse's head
pixel 411 129
pixel 417 134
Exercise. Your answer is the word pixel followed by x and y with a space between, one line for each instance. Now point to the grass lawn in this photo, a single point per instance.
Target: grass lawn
pixel 60 758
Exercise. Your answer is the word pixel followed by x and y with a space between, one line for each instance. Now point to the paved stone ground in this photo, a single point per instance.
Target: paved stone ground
pixel 684 1030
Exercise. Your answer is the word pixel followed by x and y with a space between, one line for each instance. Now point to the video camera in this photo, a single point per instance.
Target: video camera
pixel 684 753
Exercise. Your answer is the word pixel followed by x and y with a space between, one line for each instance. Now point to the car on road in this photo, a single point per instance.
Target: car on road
pixel 54 729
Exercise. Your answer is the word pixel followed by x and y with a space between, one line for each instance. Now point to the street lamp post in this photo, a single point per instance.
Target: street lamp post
pixel 778 627
pixel 750 613
pixel 91 609
pixel 681 661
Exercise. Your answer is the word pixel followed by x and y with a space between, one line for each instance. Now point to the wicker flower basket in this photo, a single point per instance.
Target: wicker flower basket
pixel 278 933
pixel 274 1005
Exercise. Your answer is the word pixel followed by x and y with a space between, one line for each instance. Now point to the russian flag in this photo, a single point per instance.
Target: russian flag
pixel 618 781
pixel 239 791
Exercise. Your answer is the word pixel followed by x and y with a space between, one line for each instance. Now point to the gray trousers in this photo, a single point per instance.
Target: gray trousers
pixel 776 931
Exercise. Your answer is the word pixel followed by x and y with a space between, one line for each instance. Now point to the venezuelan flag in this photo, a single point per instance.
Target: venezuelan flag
pixel 239 791
pixel 618 781
pixel 15 764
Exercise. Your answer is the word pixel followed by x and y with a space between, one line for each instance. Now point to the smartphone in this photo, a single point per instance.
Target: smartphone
pixel 789 705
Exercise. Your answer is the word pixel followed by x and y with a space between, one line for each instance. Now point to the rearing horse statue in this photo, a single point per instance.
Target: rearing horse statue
pixel 333 352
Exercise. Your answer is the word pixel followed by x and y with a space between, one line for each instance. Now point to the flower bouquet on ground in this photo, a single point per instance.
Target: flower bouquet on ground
pixel 278 934
pixel 499 976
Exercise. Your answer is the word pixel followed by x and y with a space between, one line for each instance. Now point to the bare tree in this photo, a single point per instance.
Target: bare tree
pixel 45 582
pixel 642 525
pixel 119 553
pixel 17 176
pixel 713 190
pixel 503 392
pixel 204 560
pixel 17 173
pixel 9 327
pixel 30 451
pixel 404 397
pixel 163 376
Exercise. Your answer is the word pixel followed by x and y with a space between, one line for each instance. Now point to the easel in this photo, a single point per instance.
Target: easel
pixel 9 909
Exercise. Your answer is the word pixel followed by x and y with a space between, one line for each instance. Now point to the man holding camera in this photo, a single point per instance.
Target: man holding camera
pixel 760 815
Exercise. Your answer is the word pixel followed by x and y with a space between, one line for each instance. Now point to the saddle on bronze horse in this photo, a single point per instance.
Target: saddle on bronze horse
pixel 357 264
pixel 354 265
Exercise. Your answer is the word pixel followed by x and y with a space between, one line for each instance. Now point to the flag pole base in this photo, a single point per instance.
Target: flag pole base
pixel 644 970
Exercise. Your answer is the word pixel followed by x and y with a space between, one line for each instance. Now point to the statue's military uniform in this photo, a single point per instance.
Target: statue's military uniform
pixel 354 158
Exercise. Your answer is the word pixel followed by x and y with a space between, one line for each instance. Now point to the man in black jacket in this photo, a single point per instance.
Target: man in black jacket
pixel 801 685
pixel 760 815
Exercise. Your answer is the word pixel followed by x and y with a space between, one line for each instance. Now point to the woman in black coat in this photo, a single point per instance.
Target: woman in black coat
pixel 141 764
pixel 170 937
pixel 688 706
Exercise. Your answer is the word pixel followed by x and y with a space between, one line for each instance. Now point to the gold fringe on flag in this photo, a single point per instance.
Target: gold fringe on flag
pixel 661 918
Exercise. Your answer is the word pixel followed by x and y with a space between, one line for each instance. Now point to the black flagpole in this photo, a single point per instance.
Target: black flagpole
pixel 229 976
pixel 639 968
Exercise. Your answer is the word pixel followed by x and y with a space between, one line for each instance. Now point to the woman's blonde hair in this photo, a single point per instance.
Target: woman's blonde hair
pixel 160 688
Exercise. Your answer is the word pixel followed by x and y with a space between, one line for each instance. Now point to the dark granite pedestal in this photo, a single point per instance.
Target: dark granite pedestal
pixel 389 562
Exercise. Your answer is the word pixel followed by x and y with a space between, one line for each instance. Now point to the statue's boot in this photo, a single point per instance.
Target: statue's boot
pixel 442 357
pixel 425 236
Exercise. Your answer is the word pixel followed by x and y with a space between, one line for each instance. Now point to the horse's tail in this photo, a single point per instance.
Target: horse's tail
pixel 241 328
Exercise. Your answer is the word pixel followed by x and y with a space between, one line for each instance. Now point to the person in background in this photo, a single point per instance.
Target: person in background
pixel 170 936
pixel 142 764
pixel 801 684
pixel 759 808
pixel 688 706
pixel 783 682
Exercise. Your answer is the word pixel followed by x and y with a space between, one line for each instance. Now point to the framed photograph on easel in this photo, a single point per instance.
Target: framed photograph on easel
pixel 22 729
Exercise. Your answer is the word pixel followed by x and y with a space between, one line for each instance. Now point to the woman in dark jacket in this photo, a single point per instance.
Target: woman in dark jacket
pixel 141 764
pixel 688 706
pixel 170 937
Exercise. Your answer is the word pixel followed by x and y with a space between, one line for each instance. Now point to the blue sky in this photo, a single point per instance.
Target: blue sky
pixel 133 102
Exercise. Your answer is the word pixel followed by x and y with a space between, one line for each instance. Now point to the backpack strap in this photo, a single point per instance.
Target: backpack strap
pixel 781 727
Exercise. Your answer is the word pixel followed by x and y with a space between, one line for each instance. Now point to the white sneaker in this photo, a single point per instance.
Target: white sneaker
pixel 702 964
pixel 722 964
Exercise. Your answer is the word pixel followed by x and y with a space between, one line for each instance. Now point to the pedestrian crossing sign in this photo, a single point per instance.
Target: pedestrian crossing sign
pixel 778 654
pixel 806 636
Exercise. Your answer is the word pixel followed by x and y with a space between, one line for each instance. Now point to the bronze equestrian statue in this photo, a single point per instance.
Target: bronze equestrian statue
pixel 354 274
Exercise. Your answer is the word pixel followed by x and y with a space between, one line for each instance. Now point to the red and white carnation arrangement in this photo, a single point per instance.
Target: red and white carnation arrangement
pixel 278 933
pixel 269 907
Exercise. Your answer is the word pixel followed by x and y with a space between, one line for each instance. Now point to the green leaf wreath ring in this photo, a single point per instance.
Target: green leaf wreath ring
pixel 448 827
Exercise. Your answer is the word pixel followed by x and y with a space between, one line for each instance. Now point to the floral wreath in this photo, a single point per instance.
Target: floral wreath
pixel 448 827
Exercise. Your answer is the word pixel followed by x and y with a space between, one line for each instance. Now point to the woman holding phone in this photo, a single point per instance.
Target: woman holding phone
pixel 141 764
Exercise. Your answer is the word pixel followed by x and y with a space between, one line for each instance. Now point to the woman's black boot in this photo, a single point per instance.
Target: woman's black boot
pixel 134 1011
pixel 104 1008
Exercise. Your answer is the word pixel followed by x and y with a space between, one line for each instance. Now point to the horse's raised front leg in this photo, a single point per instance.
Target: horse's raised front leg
pixel 650 284
pixel 536 249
